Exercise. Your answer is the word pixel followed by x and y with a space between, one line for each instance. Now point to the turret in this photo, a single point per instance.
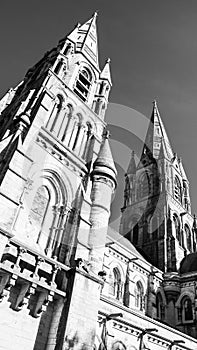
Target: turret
pixel 103 185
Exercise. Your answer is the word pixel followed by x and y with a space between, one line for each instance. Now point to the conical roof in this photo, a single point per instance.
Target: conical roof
pixel 105 73
pixel 104 162
pixel 85 38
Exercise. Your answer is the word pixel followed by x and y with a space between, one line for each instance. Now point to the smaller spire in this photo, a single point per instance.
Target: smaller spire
pixel 132 165
pixel 106 74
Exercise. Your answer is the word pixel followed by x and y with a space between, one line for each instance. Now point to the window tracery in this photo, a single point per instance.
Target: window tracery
pixel 83 83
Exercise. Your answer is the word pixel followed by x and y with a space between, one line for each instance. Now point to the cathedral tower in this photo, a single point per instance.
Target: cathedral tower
pixel 156 216
pixel 54 161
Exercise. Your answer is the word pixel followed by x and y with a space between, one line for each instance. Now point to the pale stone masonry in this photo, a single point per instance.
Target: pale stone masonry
pixel 67 281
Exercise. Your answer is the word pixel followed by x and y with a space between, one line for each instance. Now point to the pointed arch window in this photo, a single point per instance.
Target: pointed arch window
pixel 86 140
pixel 144 186
pixel 177 189
pixel 54 117
pixel 177 229
pixel 188 237
pixel 186 308
pixel 139 296
pixel 40 216
pixel 59 119
pixel 115 284
pixel 160 307
pixel 127 192
pixel 83 83
pixel 135 234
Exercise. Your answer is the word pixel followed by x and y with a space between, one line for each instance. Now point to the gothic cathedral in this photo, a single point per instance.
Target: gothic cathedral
pixel 67 280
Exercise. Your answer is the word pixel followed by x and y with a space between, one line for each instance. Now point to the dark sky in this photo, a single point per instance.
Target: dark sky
pixel 153 49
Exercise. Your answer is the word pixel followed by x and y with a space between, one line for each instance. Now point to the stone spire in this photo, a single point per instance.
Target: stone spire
pixel 132 165
pixel 85 38
pixel 104 163
pixel 106 74
pixel 155 133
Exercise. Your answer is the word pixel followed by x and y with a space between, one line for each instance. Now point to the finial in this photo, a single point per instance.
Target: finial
pixel 95 14
pixel 155 103
pixel 133 154
pixel 106 134
pixel 108 60
pixel 175 155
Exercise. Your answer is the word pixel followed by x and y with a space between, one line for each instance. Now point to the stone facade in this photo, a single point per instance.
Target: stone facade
pixel 67 281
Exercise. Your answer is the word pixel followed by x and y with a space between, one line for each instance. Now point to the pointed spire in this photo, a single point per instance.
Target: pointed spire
pixel 132 165
pixel 155 133
pixel 85 38
pixel 106 74
pixel 104 163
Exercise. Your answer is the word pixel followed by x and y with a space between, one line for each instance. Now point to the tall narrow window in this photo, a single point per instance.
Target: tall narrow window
pixel 188 237
pixel 143 186
pixel 86 140
pixel 177 229
pixel 83 84
pixel 135 234
pixel 58 66
pixel 187 312
pixel 68 49
pixel 177 189
pixel 40 217
pixel 160 307
pixel 54 120
pixel 101 87
pixel 127 192
pixel 115 283
pixel 139 296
